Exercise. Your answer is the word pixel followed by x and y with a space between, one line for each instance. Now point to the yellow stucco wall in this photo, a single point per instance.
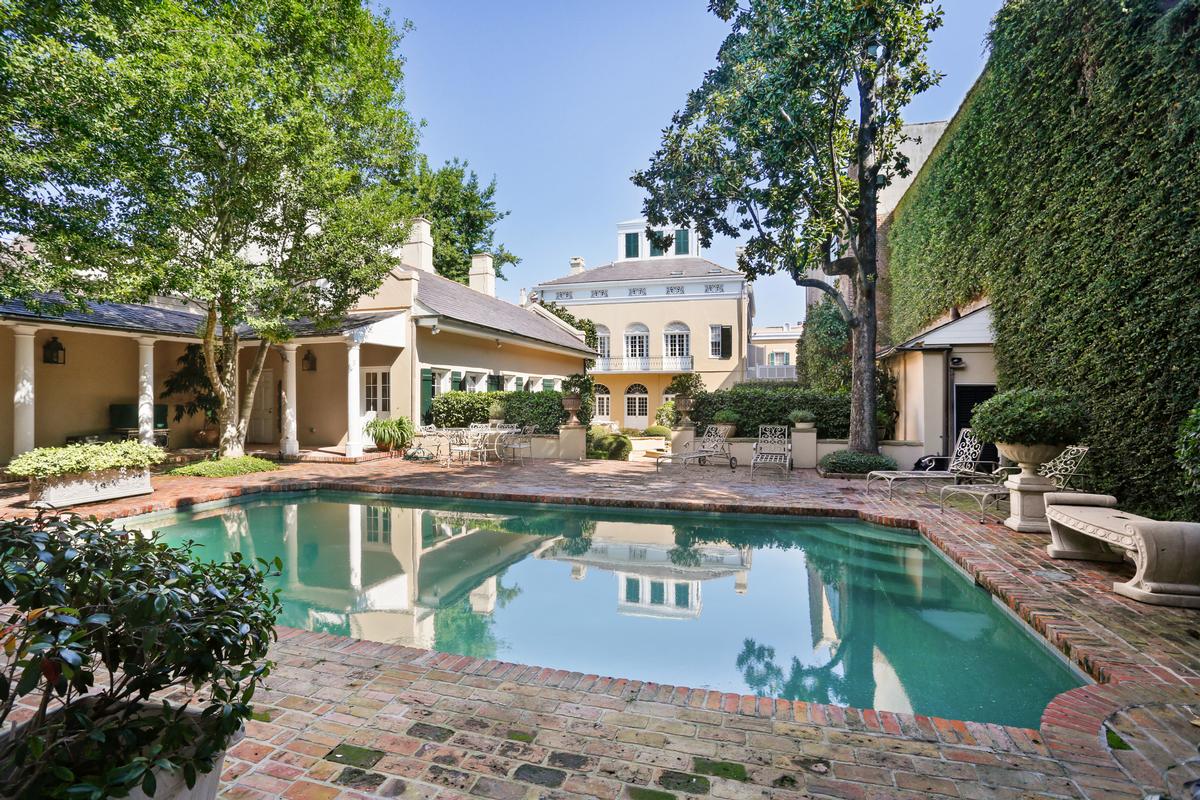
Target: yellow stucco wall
pixel 923 389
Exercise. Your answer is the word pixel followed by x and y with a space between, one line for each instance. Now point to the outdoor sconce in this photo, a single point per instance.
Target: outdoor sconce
pixel 53 352
pixel 309 362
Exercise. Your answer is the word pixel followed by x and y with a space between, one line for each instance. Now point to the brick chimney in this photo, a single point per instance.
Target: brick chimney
pixel 418 250
pixel 483 274
pixel 577 265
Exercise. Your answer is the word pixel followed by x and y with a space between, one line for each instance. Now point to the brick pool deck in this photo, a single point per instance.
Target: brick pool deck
pixel 353 719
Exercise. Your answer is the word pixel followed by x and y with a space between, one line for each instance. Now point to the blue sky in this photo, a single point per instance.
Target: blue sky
pixel 562 101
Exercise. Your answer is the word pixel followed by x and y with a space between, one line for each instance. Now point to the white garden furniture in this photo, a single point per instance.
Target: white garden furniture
pixel 1059 471
pixel 964 465
pixel 773 449
pixel 714 444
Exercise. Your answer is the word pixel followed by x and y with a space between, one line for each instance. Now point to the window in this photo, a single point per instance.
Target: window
pixel 681 242
pixel 602 342
pixel 633 590
pixel 658 593
pixel 677 341
pixel 655 250
pixel 603 402
pixel 778 358
pixel 674 290
pixel 631 245
pixel 637 291
pixel 637 402
pixel 720 341
pixel 378 524
pixel 683 595
pixel 599 292
pixel 714 288
pixel 637 341
pixel 377 390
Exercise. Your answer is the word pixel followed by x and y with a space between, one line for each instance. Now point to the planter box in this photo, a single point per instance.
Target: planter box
pixel 89 487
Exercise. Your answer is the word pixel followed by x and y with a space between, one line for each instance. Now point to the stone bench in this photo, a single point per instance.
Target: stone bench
pixel 1166 555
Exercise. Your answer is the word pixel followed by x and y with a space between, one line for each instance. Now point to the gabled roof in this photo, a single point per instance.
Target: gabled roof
pixel 451 299
pixel 642 269
pixel 974 327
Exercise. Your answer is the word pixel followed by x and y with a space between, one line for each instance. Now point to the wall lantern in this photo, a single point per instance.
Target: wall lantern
pixel 309 362
pixel 53 352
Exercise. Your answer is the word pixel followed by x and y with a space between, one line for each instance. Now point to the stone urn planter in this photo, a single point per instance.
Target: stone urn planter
pixel 1026 488
pixel 805 426
pixel 63 491
pixel 571 404
pixel 684 405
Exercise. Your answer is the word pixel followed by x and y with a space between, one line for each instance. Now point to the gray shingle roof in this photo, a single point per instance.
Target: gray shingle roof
pixel 451 299
pixel 648 269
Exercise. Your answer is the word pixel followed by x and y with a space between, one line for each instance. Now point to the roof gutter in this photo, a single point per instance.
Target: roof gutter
pixel 451 325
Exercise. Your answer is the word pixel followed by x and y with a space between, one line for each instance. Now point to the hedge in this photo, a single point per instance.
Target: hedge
pixel 1065 190
pixel 226 467
pixel 54 462
pixel 542 410
pixel 759 404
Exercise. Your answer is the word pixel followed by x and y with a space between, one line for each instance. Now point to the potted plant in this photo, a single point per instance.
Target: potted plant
pixel 727 420
pixel 87 601
pixel 803 419
pixel 85 473
pixel 1030 426
pixel 391 434
pixel 574 389
pixel 685 387
pixel 496 411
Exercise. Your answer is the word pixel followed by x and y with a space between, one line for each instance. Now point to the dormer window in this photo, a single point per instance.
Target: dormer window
pixel 681 242
pixel 631 245
pixel 655 249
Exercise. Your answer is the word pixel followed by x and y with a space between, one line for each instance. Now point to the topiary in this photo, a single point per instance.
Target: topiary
pixel 687 384
pixel 851 462
pixel 611 446
pixel 657 430
pixel 1188 451
pixel 1030 416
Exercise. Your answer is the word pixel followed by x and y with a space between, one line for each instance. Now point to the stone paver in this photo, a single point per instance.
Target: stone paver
pixel 451 726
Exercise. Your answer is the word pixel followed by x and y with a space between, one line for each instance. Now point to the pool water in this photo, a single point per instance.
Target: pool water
pixel 826 611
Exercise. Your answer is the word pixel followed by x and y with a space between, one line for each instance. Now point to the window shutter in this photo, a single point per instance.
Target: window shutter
pixel 726 341
pixel 681 242
pixel 631 245
pixel 520 384
pixel 547 384
pixel 456 381
pixel 426 395
pixel 495 383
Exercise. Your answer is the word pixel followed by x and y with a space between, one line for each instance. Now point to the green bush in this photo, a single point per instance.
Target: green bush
pixel 52 462
pixel 770 404
pixel 823 350
pixel 391 434
pixel 849 462
pixel 86 601
pixel 611 446
pixel 688 384
pixel 727 416
pixel 1188 451
pixel 1057 192
pixel 665 415
pixel 658 430
pixel 460 409
pixel 542 410
pixel 1030 416
pixel 801 415
pixel 226 467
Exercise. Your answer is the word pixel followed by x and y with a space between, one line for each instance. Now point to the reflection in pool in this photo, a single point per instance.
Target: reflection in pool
pixel 828 611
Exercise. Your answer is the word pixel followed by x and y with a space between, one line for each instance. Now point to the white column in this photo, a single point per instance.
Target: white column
pixel 290 445
pixel 23 367
pixel 291 541
pixel 353 410
pixel 355 526
pixel 145 390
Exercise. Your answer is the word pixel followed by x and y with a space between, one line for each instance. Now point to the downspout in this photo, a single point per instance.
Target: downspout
pixel 947 402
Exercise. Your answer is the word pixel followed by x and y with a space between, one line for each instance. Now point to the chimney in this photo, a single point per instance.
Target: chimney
pixel 524 299
pixel 418 250
pixel 737 253
pixel 483 274
pixel 577 265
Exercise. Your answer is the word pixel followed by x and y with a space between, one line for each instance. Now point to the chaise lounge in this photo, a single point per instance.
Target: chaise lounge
pixel 1089 527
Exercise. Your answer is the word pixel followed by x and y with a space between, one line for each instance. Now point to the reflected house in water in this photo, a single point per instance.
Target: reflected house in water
pixel 657 576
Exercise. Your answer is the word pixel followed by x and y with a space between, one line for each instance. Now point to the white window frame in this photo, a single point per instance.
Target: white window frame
pixel 604 344
pixel 603 403
pixel 677 341
pixel 714 341
pixel 641 402
pixel 637 338
pixel 376 391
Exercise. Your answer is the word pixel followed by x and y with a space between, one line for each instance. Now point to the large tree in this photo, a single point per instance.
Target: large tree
pixel 251 157
pixel 787 142
pixel 463 215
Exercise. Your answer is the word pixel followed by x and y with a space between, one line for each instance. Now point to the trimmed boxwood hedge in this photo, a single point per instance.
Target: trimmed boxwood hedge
pixel 770 404
pixel 1066 190
pixel 543 410
pixel 849 462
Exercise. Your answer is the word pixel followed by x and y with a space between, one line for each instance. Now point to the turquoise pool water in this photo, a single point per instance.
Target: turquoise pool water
pixel 826 611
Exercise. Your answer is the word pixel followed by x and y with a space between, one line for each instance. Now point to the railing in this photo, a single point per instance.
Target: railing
pixel 648 364
pixel 771 372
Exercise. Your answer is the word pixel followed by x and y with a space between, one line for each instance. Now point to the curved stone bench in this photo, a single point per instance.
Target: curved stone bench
pixel 1089 527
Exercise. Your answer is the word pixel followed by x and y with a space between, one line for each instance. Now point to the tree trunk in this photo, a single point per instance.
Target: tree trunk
pixel 863 436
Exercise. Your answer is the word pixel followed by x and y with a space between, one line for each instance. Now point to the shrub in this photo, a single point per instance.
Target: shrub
pixel 687 384
pixel 1188 451
pixel 801 415
pixel 1030 416
pixel 543 410
pixel 391 434
pixel 665 415
pixel 226 467
pixel 770 404
pixel 727 416
pixel 823 350
pixel 86 601
pixel 611 446
pixel 850 462
pixel 498 407
pixel 52 462
pixel 658 430
pixel 460 409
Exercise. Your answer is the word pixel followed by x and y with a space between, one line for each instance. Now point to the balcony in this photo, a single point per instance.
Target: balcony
pixel 771 372
pixel 648 364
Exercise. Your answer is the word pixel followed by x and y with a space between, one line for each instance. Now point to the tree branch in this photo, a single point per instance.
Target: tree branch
pixel 843 309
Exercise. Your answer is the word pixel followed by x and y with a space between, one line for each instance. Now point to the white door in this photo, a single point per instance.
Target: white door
pixel 376 393
pixel 637 406
pixel 262 426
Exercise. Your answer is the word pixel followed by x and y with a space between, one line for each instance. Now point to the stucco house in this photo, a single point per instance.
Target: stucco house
pixel 773 352
pixel 658 313
pixel 101 371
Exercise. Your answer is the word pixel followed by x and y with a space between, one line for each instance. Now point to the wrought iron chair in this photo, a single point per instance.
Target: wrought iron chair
pixel 964 466
pixel 1061 470
pixel 714 444
pixel 773 449
pixel 518 443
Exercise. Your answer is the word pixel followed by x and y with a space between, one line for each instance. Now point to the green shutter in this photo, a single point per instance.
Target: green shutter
pixel 426 395
pixel 520 384
pixel 631 245
pixel 655 250
pixel 681 242
pixel 456 381
pixel 726 341
pixel 495 383
pixel 547 384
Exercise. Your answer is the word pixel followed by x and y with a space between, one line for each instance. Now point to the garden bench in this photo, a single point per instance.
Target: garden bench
pixel 1166 555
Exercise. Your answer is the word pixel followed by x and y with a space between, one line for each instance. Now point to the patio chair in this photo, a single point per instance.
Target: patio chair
pixel 773 449
pixel 964 466
pixel 519 443
pixel 1061 470
pixel 425 436
pixel 714 444
pixel 468 444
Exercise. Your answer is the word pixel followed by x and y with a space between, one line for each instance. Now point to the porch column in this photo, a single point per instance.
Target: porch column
pixel 145 390
pixel 290 445
pixel 355 543
pixel 23 366
pixel 353 410
pixel 291 541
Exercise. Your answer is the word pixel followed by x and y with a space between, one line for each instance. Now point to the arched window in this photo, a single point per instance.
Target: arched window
pixel 637 406
pixel 637 341
pixel 603 403
pixel 677 340
pixel 603 340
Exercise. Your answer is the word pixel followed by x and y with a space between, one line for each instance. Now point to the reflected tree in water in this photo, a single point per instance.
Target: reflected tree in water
pixel 766 678
pixel 457 628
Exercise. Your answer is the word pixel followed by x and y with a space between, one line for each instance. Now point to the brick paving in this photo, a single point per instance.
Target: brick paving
pixel 425 724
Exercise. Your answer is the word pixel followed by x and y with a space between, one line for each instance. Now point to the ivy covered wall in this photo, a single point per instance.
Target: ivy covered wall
pixel 1067 189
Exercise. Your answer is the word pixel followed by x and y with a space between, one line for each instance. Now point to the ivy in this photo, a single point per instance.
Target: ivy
pixel 1065 190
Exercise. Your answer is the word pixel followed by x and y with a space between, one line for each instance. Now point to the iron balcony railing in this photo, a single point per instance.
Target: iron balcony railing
pixel 647 364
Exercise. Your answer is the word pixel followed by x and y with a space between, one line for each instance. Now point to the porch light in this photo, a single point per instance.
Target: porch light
pixel 53 352
pixel 309 362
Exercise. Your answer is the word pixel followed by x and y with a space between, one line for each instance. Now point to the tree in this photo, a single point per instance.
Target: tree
pixel 249 157
pixel 463 216
pixel 768 148
pixel 823 350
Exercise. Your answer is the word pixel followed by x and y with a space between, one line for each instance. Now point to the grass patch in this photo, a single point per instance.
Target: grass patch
pixel 720 769
pixel 226 467
pixel 642 793
pixel 1114 740
pixel 520 736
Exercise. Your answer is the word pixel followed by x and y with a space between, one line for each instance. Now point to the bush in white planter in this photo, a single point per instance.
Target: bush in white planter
pixel 83 473
pixel 97 622
pixel 1030 426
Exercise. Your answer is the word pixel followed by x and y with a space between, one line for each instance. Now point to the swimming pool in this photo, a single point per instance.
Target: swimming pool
pixel 819 610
